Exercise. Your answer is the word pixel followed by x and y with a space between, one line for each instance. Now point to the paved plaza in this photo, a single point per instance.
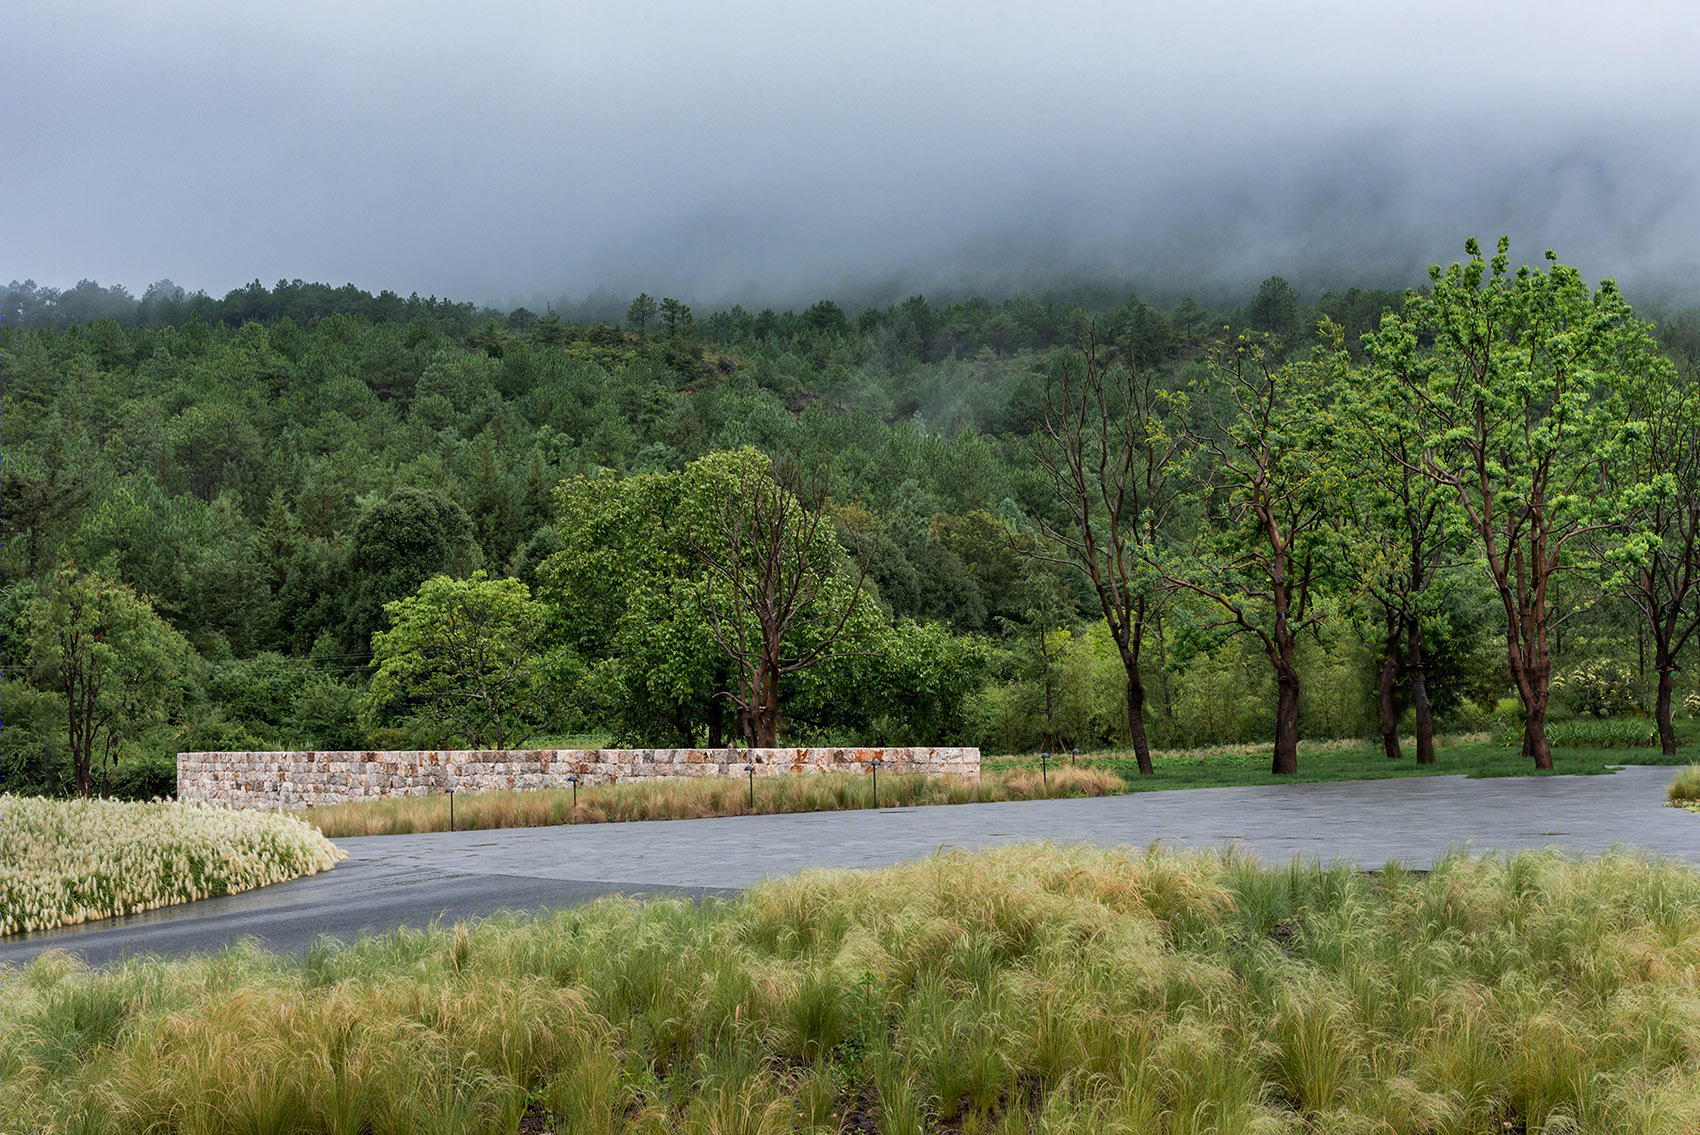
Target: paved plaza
pixel 391 881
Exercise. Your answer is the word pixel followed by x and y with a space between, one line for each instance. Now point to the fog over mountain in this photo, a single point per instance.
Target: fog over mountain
pixel 772 153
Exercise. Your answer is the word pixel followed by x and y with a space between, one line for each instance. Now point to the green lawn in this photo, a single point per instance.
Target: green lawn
pixel 1477 755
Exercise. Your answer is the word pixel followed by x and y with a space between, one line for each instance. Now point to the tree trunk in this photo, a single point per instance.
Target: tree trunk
pixel 1136 719
pixel 1389 676
pixel 79 707
pixel 1286 760
pixel 1531 669
pixel 1419 692
pixel 1535 742
pixel 1533 677
pixel 766 716
pixel 1662 704
pixel 1130 652
pixel 1535 720
pixel 716 726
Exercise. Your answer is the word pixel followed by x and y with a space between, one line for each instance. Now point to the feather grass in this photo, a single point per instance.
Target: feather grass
pixel 1022 989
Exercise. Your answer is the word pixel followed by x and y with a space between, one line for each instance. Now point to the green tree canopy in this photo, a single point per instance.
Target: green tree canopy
pixel 398 543
pixel 467 658
pixel 632 586
pixel 1517 401
pixel 119 667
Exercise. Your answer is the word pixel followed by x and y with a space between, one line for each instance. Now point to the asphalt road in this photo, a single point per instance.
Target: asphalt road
pixel 392 881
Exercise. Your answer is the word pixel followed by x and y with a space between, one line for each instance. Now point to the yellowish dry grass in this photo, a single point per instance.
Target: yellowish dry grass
pixel 697 799
pixel 1685 789
pixel 1056 989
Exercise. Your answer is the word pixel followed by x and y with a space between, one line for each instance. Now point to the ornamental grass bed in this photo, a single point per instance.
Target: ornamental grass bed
pixel 67 861
pixel 1039 988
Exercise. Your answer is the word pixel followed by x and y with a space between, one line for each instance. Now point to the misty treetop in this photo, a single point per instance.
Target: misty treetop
pixel 276 475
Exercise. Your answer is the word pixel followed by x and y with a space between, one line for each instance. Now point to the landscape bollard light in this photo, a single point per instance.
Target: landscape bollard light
pixel 876 771
pixel 451 793
pixel 1044 774
pixel 1073 756
pixel 751 769
pixel 573 817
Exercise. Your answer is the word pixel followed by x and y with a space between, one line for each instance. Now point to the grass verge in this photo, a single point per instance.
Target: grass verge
pixel 1029 989
pixel 67 861
pixel 1002 778
pixel 1685 789
pixel 697 799
pixel 1475 755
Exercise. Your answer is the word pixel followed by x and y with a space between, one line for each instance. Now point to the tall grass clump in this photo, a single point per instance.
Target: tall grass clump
pixel 1685 789
pixel 67 861
pixel 687 799
pixel 1019 990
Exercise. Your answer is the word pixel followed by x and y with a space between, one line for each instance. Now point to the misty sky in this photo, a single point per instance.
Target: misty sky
pixel 762 152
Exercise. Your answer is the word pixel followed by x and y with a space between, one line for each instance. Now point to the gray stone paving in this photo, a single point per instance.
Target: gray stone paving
pixel 411 880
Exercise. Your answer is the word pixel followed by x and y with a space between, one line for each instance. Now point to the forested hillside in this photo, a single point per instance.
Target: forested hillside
pixel 225 521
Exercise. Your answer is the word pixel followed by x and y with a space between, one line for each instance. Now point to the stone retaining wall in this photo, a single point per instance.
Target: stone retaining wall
pixel 301 780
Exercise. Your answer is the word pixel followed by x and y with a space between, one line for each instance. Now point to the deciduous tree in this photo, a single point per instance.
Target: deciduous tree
pixel 1661 562
pixel 1515 402
pixel 1403 530
pixel 777 598
pixel 468 656
pixel 118 666
pixel 1109 456
pixel 1268 487
pixel 399 542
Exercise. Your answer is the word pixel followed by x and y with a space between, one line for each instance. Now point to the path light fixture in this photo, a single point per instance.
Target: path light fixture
pixel 751 769
pixel 449 787
pixel 1044 774
pixel 876 771
pixel 573 817
pixel 1073 756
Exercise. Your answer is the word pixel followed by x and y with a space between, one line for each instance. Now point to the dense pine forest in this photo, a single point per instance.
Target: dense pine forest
pixel 306 517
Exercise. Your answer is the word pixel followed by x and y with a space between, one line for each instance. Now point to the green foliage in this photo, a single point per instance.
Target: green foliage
pixel 1602 687
pixel 640 313
pixel 397 544
pixel 1221 696
pixel 1520 402
pixel 119 667
pixel 625 591
pixel 467 656
pixel 632 587
pixel 34 751
pixel 1591 733
pixel 230 458
pixel 325 714
pixel 1269 479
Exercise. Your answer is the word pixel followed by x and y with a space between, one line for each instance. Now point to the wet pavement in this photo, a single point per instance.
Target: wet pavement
pixel 392 881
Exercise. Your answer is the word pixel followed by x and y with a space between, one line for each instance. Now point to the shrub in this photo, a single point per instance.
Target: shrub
pixel 149 777
pixel 1585 733
pixel 1603 688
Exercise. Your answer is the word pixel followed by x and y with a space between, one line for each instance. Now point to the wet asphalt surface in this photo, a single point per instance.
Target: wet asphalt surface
pixel 394 881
